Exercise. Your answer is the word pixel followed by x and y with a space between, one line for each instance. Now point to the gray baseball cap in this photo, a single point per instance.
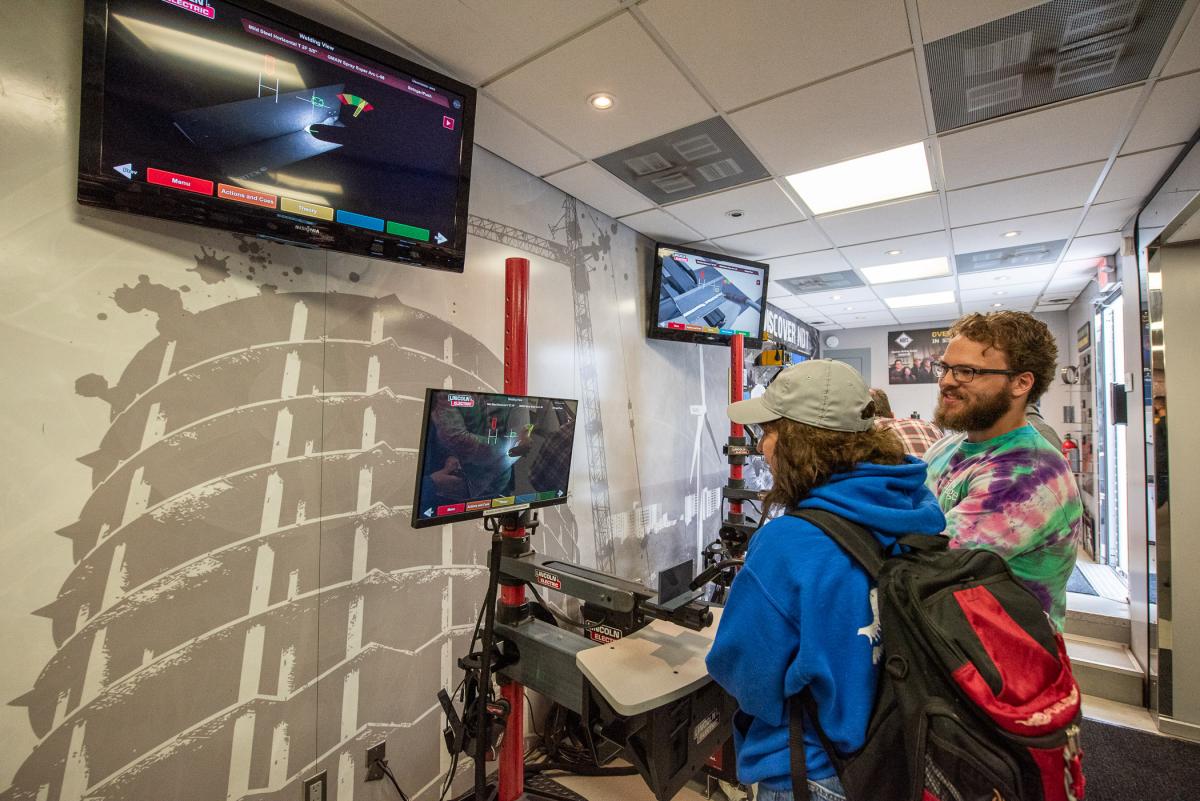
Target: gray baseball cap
pixel 819 392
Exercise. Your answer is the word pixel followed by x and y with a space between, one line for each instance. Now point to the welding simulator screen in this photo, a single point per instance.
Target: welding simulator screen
pixel 207 99
pixel 485 453
pixel 706 297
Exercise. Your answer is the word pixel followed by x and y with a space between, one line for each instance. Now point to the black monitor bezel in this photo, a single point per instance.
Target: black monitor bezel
pixel 96 189
pixel 418 522
pixel 656 332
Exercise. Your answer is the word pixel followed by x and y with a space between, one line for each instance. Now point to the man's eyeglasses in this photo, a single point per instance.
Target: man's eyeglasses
pixel 965 374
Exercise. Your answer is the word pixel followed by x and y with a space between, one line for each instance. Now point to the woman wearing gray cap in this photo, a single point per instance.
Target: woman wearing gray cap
pixel 801 614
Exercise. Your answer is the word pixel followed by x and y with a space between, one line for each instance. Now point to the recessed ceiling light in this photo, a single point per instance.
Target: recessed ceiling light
pixel 997 305
pixel 1000 278
pixel 835 297
pixel 849 308
pixel 900 172
pixel 602 101
pixel 907 270
pixel 892 252
pixel 1010 234
pixel 923 299
pixel 999 292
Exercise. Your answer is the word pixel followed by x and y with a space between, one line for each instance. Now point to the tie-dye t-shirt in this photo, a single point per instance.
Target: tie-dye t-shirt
pixel 1013 494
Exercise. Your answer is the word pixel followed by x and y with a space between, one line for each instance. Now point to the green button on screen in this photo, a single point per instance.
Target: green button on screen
pixel 410 231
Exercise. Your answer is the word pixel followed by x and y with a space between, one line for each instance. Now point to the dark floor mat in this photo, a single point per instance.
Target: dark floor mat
pixel 1130 765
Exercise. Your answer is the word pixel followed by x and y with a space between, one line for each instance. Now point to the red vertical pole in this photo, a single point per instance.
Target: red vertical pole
pixel 516 295
pixel 736 382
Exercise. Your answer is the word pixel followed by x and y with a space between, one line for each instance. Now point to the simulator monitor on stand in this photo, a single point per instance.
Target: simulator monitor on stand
pixel 484 455
pixel 242 116
pixel 706 297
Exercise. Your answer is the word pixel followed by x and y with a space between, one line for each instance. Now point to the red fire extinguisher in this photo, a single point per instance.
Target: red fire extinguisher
pixel 1070 452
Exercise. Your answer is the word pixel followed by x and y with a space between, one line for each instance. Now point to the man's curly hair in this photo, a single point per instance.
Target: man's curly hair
pixel 1025 341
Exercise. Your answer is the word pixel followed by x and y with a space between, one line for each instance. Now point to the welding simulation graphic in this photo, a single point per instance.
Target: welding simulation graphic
pixel 709 292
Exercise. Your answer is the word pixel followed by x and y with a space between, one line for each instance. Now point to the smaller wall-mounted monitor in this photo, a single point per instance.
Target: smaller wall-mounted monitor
pixel 486 454
pixel 706 297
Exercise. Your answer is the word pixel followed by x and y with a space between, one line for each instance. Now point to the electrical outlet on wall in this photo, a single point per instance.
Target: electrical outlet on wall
pixel 375 757
pixel 314 788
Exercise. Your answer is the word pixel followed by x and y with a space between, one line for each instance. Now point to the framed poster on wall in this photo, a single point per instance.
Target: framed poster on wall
pixel 912 352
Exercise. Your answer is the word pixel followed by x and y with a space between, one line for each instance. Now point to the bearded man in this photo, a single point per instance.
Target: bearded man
pixel 1001 485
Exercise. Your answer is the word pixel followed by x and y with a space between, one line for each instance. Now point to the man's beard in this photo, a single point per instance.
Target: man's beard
pixel 973 415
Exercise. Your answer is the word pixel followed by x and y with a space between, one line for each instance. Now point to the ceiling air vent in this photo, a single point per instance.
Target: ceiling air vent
pixel 1014 256
pixel 695 160
pixel 1051 52
pixel 807 284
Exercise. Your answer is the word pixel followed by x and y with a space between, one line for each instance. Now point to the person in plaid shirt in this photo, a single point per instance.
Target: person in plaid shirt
pixel 915 434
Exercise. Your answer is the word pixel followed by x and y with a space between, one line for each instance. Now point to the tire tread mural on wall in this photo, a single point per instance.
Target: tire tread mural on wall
pixel 252 489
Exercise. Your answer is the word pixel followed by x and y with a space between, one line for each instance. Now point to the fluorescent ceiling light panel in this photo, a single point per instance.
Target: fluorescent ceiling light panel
pixel 924 299
pixel 900 172
pixel 907 270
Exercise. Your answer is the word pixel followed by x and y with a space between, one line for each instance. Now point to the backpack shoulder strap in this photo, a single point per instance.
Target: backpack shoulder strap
pixel 855 540
pixel 797 758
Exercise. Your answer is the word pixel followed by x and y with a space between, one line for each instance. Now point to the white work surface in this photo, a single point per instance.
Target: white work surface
pixel 651 667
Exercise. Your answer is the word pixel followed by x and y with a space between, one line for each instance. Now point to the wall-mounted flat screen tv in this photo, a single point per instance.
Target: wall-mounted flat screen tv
pixel 706 297
pixel 246 117
pixel 487 454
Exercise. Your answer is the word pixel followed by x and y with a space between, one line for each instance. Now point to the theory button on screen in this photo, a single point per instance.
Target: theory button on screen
pixel 176 181
pixel 359 220
pixel 307 209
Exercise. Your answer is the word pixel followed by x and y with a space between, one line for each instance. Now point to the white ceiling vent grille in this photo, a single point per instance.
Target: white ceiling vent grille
pixel 1051 52
pixel 717 170
pixel 1015 256
pixel 999 55
pixel 695 160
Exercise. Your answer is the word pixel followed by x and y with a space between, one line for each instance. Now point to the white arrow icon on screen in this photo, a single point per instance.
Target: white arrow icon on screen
pixel 441 240
pixel 127 170
pixel 429 512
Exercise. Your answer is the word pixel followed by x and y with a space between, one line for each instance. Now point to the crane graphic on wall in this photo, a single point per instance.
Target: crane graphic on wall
pixel 575 256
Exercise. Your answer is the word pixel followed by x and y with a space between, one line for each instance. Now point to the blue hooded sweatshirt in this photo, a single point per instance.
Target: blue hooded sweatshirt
pixel 802 614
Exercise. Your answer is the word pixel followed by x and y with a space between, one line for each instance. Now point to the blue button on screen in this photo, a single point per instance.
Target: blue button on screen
pixel 360 220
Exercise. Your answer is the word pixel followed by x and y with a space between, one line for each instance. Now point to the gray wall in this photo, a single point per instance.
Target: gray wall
pixel 208 583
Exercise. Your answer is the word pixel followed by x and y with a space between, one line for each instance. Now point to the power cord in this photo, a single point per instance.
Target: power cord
pixel 383 765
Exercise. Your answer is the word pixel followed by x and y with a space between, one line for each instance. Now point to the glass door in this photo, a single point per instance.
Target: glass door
pixel 1111 413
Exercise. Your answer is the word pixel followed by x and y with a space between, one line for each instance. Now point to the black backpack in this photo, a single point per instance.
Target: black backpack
pixel 976 700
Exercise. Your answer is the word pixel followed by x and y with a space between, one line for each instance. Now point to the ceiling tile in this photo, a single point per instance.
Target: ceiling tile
pixel 798 237
pixel 864 320
pixel 901 288
pixel 777 293
pixel 762 205
pixel 1039 228
pixel 1002 292
pixel 1033 194
pixel 659 225
pixel 600 190
pixel 1077 268
pixel 1071 133
pixel 844 308
pixel 1171 115
pixel 1002 279
pixel 621 59
pixel 912 248
pixel 901 218
pixel 823 261
pixel 500 131
pixel 1187 53
pixel 1006 304
pixel 1067 285
pixel 1105 217
pixel 927 314
pixel 941 18
pixel 837 119
pixel 1134 176
pixel 1083 247
pixel 844 297
pixel 826 38
pixel 464 37
pixel 789 303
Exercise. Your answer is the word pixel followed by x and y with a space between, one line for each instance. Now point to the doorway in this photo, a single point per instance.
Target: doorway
pixel 1111 417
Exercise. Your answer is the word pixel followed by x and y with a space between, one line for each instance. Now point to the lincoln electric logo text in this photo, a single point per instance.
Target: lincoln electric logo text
pixel 461 400
pixel 706 726
pixel 200 7
pixel 603 633
pixel 547 579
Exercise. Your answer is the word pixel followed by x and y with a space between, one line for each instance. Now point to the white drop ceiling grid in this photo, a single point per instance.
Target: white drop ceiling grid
pixel 805 85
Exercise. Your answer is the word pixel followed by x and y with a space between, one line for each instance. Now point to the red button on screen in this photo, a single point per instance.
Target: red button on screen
pixel 451 509
pixel 176 181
